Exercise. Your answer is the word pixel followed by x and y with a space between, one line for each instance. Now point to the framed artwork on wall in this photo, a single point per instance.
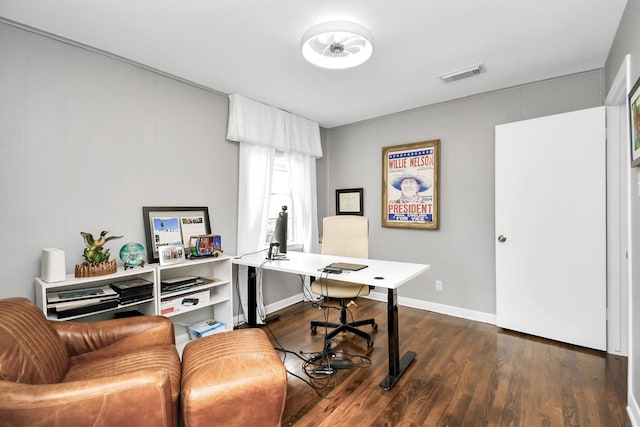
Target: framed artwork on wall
pixel 349 201
pixel 410 187
pixel 170 226
pixel 634 123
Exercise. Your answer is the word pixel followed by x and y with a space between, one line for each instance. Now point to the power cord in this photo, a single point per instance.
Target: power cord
pixel 320 367
pixel 240 310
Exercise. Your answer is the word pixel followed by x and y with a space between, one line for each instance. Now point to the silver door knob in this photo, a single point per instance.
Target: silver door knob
pixel 502 238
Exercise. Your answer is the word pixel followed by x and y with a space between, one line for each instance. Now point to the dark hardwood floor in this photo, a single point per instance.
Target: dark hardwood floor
pixel 466 373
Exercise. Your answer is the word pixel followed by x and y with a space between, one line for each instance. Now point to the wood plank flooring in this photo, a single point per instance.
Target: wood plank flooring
pixel 466 373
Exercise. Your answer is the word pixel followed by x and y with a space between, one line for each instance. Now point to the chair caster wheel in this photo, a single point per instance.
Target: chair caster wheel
pixel 369 343
pixel 314 330
pixel 375 326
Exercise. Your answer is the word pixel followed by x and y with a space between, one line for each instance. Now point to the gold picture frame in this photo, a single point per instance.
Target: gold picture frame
pixel 410 185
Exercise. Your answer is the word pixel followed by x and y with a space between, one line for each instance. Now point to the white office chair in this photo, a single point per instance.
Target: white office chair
pixel 343 235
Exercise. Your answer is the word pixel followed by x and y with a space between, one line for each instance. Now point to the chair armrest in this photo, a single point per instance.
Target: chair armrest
pixel 140 398
pixel 111 337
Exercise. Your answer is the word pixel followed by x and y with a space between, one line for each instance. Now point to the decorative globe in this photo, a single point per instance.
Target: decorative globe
pixel 132 254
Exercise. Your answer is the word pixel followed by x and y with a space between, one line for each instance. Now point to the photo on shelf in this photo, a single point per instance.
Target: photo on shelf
pixel 172 225
pixel 171 254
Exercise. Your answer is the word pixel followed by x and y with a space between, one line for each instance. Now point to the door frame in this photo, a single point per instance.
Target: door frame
pixel 619 269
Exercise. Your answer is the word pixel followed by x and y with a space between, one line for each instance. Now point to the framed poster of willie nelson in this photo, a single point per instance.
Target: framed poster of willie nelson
pixel 410 192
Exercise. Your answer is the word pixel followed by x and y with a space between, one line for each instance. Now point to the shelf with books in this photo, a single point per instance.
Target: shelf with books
pixel 194 291
pixel 94 297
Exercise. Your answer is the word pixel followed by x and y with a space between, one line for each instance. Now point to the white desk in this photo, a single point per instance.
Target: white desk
pixel 385 274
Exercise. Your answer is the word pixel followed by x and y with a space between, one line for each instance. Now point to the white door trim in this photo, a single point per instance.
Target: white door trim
pixel 619 235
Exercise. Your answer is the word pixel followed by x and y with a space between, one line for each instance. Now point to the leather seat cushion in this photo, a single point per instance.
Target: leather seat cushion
pixel 160 357
pixel 338 289
pixel 233 378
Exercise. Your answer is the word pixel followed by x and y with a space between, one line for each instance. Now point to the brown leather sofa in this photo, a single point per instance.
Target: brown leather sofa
pixel 122 372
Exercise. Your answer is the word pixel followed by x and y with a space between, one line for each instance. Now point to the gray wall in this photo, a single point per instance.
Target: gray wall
pixel 461 252
pixel 87 140
pixel 626 42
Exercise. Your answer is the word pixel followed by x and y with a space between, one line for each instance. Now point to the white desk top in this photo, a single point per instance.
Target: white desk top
pixel 386 274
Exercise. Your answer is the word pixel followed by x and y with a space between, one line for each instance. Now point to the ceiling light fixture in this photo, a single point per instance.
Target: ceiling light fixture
pixel 337 45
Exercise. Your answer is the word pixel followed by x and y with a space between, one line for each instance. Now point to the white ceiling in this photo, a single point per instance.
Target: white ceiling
pixel 252 47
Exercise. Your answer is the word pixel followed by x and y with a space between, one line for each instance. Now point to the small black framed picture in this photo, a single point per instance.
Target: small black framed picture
pixel 350 201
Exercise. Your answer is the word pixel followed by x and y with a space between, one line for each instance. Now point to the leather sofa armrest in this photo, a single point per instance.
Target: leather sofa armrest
pixel 140 398
pixel 112 337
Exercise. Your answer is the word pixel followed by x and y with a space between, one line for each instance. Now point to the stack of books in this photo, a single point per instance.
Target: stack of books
pixel 181 283
pixel 134 290
pixel 81 301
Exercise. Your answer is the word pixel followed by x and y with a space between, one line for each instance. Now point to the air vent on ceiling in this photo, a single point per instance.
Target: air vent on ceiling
pixel 463 73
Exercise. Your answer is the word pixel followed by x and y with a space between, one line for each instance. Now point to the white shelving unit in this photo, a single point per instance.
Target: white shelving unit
pixel 219 293
pixel 147 307
pixel 217 303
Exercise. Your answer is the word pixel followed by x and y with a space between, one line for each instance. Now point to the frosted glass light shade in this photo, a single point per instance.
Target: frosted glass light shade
pixel 337 45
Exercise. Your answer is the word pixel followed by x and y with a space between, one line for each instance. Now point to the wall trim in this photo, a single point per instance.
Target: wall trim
pixel 435 307
pixel 633 411
pixel 449 310
pixel 284 303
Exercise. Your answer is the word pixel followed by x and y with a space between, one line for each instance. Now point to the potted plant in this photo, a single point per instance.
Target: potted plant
pixel 96 256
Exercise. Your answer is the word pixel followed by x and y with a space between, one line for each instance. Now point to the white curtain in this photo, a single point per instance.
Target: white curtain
pixel 254 188
pixel 262 130
pixel 305 199
pixel 260 124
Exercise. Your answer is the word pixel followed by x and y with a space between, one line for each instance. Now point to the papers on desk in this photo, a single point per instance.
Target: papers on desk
pixel 348 266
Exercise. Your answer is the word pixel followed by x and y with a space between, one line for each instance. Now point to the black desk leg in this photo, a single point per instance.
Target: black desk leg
pixel 251 297
pixel 252 301
pixel 397 365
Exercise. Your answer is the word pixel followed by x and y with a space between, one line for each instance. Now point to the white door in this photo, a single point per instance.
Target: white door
pixel 551 227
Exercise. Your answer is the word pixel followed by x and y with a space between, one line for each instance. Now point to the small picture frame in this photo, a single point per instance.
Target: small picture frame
pixel 349 201
pixel 171 254
pixel 634 123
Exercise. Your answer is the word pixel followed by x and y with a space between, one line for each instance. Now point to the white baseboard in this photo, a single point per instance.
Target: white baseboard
pixel 450 310
pixel 284 303
pixel 403 301
pixel 633 410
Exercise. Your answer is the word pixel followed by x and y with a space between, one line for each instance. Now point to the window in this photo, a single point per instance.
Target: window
pixel 280 196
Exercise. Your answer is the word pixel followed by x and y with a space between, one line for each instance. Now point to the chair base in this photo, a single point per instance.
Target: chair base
pixel 344 326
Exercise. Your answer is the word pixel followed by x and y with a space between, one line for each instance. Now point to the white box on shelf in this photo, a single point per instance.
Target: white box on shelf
pixel 184 302
pixel 208 327
pixel 52 265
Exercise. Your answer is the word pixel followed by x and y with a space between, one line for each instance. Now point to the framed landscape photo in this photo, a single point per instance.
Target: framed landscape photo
pixel 170 226
pixel 410 188
pixel 634 123
pixel 349 201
